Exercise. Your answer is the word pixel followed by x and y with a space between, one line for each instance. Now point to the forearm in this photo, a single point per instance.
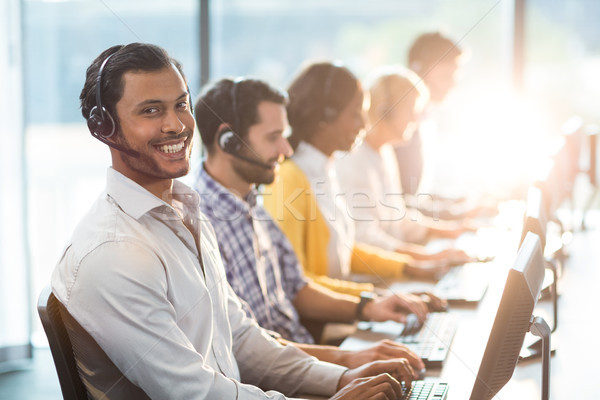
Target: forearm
pixel 341 286
pixel 330 354
pixel 319 303
pixel 264 363
pixel 442 228
pixel 415 251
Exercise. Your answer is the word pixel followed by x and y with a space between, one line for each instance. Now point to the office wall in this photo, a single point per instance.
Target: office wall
pixel 66 166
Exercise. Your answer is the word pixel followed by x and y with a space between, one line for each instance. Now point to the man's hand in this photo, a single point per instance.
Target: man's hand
pixel 433 302
pixel 395 307
pixel 382 350
pixel 453 256
pixel 427 269
pixel 381 387
pixel 397 368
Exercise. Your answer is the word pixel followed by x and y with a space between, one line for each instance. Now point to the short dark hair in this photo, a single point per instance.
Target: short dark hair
pixel 429 49
pixel 321 90
pixel 124 58
pixel 215 106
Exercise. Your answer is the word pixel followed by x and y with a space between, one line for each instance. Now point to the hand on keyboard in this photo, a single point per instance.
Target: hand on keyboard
pixel 433 302
pixel 395 308
pixel 372 387
pixel 454 256
pixel 399 369
pixel 382 350
pixel 427 269
pixel 412 325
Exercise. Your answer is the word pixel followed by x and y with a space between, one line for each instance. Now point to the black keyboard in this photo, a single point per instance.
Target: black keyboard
pixel 432 340
pixel 426 390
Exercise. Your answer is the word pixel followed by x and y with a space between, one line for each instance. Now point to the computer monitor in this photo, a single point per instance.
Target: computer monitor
pixel 513 320
pixel 535 219
pixel 558 184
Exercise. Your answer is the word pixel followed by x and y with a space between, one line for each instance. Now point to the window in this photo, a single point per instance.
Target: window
pixel 66 166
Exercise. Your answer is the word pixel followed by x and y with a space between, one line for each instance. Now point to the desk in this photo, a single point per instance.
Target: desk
pixel 573 368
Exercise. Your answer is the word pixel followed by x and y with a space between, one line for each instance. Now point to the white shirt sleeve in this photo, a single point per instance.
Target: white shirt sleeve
pixel 266 363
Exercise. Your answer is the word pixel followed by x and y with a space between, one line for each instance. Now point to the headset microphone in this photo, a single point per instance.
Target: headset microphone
pixel 231 144
pixel 100 123
pixel 122 149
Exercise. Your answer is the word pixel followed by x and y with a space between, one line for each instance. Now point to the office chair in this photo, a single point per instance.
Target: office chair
pixel 49 309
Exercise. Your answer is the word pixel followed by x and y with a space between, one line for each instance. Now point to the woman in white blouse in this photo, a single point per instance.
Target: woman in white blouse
pixel 368 176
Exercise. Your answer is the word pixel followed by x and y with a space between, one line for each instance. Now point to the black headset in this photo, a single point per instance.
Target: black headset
pixel 229 140
pixel 100 122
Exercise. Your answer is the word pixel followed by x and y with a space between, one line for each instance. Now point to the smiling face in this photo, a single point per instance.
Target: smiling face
pixel 266 143
pixel 154 120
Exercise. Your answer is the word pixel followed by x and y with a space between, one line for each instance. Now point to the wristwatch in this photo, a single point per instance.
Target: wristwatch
pixel 365 297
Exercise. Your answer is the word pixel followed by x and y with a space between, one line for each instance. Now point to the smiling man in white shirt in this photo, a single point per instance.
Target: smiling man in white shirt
pixel 142 276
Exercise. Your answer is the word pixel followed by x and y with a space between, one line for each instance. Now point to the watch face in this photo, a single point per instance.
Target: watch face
pixel 367 295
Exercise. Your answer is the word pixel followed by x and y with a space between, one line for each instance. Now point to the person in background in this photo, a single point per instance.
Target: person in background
pixel 368 175
pixel 438 60
pixel 325 113
pixel 242 125
pixel 142 280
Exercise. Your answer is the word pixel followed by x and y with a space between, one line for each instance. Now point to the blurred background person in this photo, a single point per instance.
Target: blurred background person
pixel 325 113
pixel 423 160
pixel 368 175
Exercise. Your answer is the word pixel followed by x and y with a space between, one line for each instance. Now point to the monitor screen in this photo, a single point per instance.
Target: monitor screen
pixel 521 291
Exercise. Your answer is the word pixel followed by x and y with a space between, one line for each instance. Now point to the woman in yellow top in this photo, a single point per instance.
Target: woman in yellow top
pixel 326 115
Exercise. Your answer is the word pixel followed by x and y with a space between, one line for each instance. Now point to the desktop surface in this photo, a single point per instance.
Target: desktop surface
pixel 576 357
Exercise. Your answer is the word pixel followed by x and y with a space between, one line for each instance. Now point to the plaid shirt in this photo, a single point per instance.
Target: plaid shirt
pixel 260 262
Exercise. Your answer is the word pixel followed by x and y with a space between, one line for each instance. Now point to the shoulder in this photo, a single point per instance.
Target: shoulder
pixel 290 176
pixel 291 170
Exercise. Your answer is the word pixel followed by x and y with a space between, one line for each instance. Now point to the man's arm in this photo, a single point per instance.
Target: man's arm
pixel 382 350
pixel 266 363
pixel 316 302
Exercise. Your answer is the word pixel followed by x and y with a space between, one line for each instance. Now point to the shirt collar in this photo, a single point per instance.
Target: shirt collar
pixel 228 202
pixel 312 161
pixel 368 150
pixel 137 201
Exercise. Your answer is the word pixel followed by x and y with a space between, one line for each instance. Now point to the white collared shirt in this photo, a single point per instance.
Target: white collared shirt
pixel 320 171
pixel 133 279
pixel 371 182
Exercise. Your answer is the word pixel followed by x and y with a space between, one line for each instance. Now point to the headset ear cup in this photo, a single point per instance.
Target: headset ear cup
pixel 99 124
pixel 229 142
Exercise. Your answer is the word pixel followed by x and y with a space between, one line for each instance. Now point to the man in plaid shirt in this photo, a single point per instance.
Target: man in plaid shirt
pixel 242 125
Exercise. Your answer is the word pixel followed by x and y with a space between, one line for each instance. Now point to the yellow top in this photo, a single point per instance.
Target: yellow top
pixel 294 207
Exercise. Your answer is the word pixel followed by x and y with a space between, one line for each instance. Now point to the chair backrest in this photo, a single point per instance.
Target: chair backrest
pixel 60 345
